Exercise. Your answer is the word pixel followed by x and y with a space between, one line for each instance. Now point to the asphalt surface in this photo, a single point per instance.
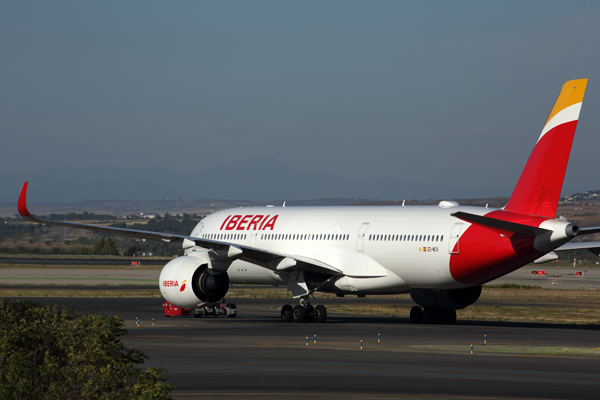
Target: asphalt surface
pixel 256 355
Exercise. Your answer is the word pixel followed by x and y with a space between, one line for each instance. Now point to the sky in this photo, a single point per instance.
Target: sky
pixel 453 93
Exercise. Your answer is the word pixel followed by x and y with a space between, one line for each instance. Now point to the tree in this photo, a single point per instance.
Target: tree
pixel 48 352
pixel 132 250
pixel 106 247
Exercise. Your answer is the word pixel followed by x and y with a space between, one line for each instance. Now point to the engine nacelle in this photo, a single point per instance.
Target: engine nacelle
pixel 452 298
pixel 188 282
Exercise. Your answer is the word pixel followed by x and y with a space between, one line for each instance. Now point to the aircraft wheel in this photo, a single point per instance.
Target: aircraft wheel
pixel 429 315
pixel 416 315
pixel 299 313
pixel 310 313
pixel 449 316
pixel 287 313
pixel 320 314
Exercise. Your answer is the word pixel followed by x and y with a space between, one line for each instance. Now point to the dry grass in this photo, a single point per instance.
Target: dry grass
pixel 541 295
pixel 16 292
pixel 118 267
pixel 550 315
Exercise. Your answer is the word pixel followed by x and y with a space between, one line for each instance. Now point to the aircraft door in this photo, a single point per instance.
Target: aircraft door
pixel 253 237
pixel 360 240
pixel 454 234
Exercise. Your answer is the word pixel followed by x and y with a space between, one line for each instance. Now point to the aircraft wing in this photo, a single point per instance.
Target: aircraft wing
pixel 218 249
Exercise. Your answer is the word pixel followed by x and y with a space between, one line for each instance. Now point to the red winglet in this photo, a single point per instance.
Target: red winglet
pixel 22 205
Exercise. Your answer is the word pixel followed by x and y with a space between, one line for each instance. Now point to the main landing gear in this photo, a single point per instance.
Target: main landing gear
pixel 303 312
pixel 430 315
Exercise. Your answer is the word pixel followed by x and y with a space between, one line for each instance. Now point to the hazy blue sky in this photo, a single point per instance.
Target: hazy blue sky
pixel 445 92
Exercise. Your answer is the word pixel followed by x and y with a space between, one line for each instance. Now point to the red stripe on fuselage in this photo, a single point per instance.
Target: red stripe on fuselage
pixel 485 255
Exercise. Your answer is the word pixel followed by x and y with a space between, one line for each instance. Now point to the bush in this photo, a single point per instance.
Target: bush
pixel 48 352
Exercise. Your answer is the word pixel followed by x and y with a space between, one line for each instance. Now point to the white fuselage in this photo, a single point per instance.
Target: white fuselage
pixel 391 249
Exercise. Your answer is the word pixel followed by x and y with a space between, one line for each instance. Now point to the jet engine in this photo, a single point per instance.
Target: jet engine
pixel 451 298
pixel 189 281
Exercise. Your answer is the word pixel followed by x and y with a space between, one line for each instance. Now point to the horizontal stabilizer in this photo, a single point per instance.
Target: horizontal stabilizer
pixel 505 228
pixel 588 231
pixel 594 247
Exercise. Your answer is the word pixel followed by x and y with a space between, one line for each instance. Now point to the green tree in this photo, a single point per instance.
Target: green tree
pixel 48 352
pixel 106 247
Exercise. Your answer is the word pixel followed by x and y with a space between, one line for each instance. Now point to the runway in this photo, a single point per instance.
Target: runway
pixel 257 355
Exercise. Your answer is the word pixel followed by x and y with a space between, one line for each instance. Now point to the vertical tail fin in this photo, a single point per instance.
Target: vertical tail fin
pixel 538 189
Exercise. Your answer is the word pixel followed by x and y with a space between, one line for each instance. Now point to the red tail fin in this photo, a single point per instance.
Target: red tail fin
pixel 538 189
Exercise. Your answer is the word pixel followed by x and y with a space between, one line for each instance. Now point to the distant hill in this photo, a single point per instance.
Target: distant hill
pixel 257 179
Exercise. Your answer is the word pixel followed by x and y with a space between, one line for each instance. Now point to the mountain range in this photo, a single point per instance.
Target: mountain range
pixel 256 179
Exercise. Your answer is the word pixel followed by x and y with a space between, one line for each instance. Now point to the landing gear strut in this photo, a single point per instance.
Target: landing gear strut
pixel 431 315
pixel 303 312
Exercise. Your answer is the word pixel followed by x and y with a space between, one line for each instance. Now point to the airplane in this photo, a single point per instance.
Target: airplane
pixel 441 255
